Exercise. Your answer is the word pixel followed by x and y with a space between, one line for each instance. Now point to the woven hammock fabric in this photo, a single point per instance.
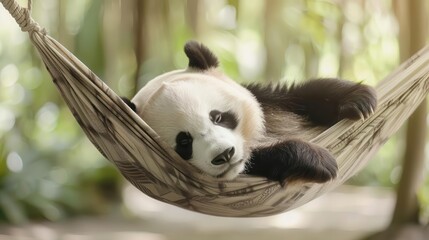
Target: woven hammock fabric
pixel 155 169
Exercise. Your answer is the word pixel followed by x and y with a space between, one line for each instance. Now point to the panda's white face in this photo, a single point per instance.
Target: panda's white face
pixel 209 121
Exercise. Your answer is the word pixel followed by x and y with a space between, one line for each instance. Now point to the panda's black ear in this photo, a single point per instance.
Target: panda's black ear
pixel 200 57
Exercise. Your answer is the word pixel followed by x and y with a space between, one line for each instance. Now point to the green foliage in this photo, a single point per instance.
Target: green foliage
pixel 47 168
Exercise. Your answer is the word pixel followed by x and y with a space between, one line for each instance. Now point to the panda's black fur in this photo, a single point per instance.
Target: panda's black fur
pixel 293 115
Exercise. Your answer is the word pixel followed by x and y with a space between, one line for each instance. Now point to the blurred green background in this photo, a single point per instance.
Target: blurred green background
pixel 50 171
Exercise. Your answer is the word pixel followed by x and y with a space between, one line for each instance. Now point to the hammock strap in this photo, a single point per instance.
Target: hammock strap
pixel 23 17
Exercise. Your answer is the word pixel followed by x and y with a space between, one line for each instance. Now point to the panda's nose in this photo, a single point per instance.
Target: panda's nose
pixel 224 157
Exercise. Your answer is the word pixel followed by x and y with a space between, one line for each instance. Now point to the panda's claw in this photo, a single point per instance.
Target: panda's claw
pixel 359 104
pixel 371 110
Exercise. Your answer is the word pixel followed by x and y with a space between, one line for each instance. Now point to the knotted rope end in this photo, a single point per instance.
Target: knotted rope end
pixel 23 16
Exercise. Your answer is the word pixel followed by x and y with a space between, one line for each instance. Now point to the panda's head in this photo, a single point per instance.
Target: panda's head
pixel 208 119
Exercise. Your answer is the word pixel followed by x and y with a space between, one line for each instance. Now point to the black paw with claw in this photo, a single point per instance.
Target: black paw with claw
pixel 360 103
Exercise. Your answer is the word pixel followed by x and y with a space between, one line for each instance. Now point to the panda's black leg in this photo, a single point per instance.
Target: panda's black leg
pixel 129 103
pixel 291 160
pixel 327 101
pixel 321 101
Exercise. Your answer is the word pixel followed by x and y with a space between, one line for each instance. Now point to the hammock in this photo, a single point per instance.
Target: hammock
pixel 155 169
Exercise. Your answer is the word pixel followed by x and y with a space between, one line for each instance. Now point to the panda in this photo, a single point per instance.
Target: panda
pixel 225 129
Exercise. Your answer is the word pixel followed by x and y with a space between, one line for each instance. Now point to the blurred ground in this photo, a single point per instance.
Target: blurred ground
pixel 345 214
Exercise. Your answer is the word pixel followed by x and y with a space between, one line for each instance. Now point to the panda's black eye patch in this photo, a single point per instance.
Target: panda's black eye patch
pixel 224 119
pixel 184 145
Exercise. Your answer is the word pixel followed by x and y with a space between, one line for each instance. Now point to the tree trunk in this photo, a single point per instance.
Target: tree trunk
pixel 275 42
pixel 139 42
pixel 412 38
pixel 110 42
pixel 194 16
pixel 405 221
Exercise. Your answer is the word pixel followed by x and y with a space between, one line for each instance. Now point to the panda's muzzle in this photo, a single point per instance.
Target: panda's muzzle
pixel 224 157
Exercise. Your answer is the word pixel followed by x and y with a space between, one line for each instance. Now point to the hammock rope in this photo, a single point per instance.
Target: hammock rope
pixel 155 169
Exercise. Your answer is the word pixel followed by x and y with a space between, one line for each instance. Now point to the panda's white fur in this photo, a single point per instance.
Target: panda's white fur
pixel 181 101
pixel 224 128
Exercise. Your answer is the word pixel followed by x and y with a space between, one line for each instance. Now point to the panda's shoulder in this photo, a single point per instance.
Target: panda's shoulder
pixel 269 93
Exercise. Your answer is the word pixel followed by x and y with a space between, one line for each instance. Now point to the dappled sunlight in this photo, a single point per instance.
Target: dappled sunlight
pixel 7 120
pixel 14 162
pixel 47 117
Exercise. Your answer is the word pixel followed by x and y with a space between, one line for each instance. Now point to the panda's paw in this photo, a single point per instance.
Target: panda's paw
pixel 293 160
pixel 314 164
pixel 359 103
